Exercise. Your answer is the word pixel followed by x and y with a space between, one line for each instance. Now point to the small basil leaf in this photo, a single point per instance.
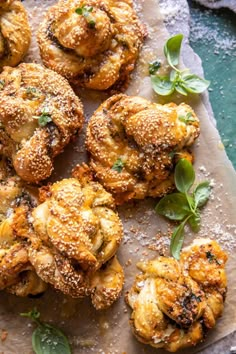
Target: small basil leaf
pixel 190 200
pixel 172 49
pixel 179 88
pixel 162 86
pixel 177 240
pixel 47 339
pixel 201 194
pixel 173 206
pixel 118 165
pixel 184 175
pixel 154 66
pixel 173 75
pixel 194 84
pixel 188 118
pixel 194 222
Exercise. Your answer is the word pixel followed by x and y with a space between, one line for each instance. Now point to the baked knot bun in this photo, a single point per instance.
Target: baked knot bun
pixel 15 33
pixel 134 145
pixel 76 232
pixel 173 306
pixel 17 275
pixel 39 113
pixel 93 43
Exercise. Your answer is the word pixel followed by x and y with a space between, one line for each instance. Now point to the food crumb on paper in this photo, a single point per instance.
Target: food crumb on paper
pixel 4 335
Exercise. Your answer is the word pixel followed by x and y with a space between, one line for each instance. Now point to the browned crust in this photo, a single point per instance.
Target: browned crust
pixel 27 92
pixel 95 58
pixel 175 303
pixel 15 33
pixel 147 137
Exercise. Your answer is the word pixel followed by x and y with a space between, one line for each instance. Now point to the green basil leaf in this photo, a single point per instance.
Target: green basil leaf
pixel 154 66
pixel 47 339
pixel 194 84
pixel 172 49
pixel 179 88
pixel 173 206
pixel 118 165
pixel 91 23
pixel 177 240
pixel 188 118
pixel 44 120
pixel 79 11
pixel 184 175
pixel 162 85
pixel 194 222
pixel 173 75
pixel 201 194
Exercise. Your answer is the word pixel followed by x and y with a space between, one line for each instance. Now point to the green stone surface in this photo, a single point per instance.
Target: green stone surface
pixel 213 38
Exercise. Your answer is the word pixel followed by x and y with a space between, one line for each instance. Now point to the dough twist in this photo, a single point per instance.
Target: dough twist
pixel 16 272
pixel 175 303
pixel 134 145
pixel 15 33
pixel 93 43
pixel 76 232
pixel 39 113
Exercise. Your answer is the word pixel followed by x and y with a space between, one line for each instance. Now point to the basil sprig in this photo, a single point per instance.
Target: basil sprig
pixel 182 81
pixel 85 11
pixel 184 206
pixel 47 339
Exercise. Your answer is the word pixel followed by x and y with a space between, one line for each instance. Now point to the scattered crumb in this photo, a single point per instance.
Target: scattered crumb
pixel 128 263
pixel 4 335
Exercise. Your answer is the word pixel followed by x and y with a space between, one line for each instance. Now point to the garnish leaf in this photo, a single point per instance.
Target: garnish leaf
pixel 194 222
pixel 183 206
pixel 194 84
pixel 172 49
pixel 85 11
pixel 173 206
pixel 47 339
pixel 162 85
pixel 91 23
pixel 177 240
pixel 184 175
pixel 44 118
pixel 118 165
pixel 180 80
pixel 33 315
pixel 211 257
pixel 202 193
pixel 154 66
pixel 179 88
pixel 188 118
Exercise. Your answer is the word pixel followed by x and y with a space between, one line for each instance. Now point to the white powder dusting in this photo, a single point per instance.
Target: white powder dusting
pixel 220 38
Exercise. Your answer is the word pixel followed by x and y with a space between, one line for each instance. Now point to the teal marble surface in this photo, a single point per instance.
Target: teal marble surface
pixel 213 38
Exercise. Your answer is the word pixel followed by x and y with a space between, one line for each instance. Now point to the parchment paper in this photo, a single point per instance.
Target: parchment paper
pixel 108 331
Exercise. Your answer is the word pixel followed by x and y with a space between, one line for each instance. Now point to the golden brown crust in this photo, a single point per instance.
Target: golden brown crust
pixel 205 262
pixel 15 33
pixel 30 95
pixel 95 56
pixel 16 272
pixel 76 232
pixel 80 222
pixel 107 284
pixel 28 283
pixel 172 308
pixel 68 240
pixel 146 137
